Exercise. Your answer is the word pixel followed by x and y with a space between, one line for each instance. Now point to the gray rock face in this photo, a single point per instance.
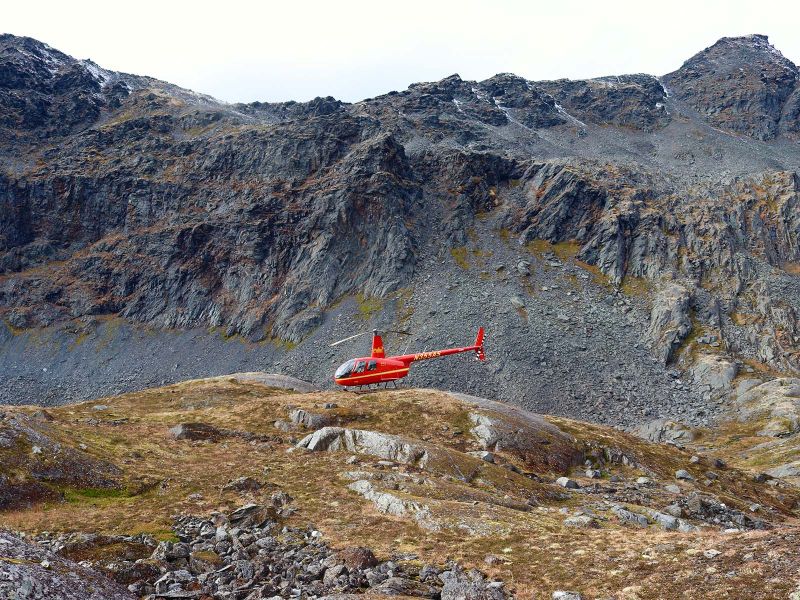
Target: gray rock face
pixel 714 372
pixel 789 470
pixel 669 320
pixel 29 572
pixel 391 504
pixel 664 431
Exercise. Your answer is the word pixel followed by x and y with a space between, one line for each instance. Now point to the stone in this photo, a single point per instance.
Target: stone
pixel 563 595
pixel 195 431
pixel 242 484
pixel 683 475
pixel 669 320
pixel 568 483
pixel 357 558
pixel 484 455
pixel 31 571
pixel 307 419
pixel 643 480
pixel 381 445
pixel 665 521
pixel 581 522
pixel 628 517
pixel 714 371
pixel 783 471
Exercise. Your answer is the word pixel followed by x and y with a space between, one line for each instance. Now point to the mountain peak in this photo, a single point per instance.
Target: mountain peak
pixel 743 84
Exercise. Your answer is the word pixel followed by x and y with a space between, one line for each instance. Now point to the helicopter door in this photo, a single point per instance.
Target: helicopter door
pixel 360 366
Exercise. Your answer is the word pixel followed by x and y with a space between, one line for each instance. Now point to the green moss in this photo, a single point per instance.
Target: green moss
pixel 635 286
pixel 15 331
pixel 78 495
pixel 368 306
pixel 460 255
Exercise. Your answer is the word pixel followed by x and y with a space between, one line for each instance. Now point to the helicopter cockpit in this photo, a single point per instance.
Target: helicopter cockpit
pixel 345 369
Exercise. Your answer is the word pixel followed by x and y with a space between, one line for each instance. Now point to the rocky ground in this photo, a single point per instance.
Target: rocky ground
pixel 228 487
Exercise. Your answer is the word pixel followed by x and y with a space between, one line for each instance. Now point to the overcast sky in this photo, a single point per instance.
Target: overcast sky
pixel 353 49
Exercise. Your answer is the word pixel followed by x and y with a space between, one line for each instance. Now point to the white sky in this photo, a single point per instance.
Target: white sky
pixel 243 51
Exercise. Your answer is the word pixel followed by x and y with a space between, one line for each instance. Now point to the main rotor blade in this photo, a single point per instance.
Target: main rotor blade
pixel 400 332
pixel 352 337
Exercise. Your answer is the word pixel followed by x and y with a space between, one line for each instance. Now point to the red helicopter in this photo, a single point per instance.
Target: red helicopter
pixel 378 368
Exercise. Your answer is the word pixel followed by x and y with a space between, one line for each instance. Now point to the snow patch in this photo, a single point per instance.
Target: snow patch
pixel 100 75
pixel 568 116
pixel 507 113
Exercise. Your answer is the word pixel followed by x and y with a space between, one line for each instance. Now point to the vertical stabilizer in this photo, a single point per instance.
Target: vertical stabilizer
pixel 479 345
pixel 377 346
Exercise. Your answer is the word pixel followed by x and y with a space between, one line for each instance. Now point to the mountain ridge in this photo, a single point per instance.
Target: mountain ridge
pixel 603 214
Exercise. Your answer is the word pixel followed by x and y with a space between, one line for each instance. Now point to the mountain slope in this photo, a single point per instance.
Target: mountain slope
pixel 609 233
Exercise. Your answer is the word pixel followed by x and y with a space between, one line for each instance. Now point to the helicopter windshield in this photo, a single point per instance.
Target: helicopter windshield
pixel 345 369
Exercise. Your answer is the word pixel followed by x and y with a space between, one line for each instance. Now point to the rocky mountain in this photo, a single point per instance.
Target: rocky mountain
pixel 232 487
pixel 630 243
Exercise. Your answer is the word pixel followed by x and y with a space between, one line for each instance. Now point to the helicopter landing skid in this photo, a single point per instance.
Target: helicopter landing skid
pixel 368 389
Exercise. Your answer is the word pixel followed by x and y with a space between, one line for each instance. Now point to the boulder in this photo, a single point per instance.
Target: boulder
pixel 242 484
pixel 381 445
pixel 713 372
pixel 356 557
pixel 581 522
pixel 568 483
pixel 664 431
pixel 628 517
pixel 307 419
pixel 784 471
pixel 195 432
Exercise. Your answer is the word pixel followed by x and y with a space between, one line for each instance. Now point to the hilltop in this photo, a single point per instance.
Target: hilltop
pixel 413 489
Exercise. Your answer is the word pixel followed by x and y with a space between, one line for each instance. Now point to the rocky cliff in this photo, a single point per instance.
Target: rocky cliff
pixel 611 234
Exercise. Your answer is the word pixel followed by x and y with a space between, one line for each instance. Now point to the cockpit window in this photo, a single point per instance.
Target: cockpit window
pixel 372 365
pixel 360 366
pixel 345 369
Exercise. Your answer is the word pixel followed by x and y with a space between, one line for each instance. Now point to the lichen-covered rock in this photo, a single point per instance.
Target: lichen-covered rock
pixel 776 402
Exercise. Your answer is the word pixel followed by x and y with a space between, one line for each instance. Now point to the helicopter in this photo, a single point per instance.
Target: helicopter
pixel 378 368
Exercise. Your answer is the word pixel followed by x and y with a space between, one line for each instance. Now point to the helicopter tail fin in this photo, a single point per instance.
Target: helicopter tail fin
pixel 479 354
pixel 377 346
